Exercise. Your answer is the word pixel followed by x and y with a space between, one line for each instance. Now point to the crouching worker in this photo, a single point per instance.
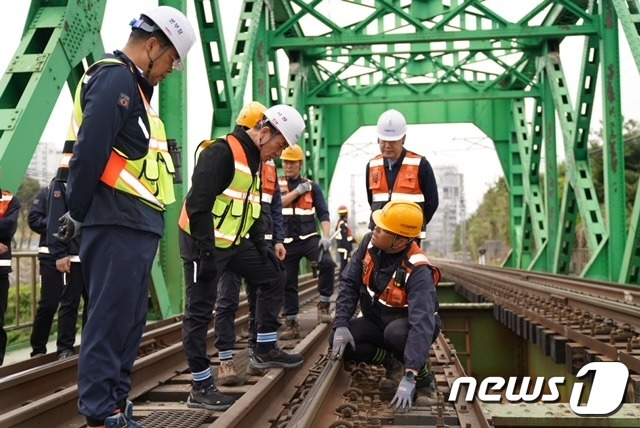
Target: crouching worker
pixel 396 286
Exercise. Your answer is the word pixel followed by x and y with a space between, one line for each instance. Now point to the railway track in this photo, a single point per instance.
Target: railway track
pixel 573 321
pixel 321 393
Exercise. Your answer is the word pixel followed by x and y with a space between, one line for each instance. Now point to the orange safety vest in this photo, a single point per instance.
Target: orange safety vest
pixel 5 201
pixel 303 210
pixel 407 185
pixel 269 180
pixel 395 293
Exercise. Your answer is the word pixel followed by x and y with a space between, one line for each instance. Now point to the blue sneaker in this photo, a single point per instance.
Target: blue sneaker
pixel 128 414
pixel 122 420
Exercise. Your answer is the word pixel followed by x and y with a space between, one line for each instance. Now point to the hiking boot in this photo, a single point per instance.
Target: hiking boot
pixel 275 358
pixel 256 372
pixel 209 398
pixel 393 375
pixel 67 353
pixel 323 313
pixel 426 392
pixel 292 330
pixel 227 373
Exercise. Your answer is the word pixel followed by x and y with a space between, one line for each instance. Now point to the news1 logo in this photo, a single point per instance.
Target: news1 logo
pixel 608 387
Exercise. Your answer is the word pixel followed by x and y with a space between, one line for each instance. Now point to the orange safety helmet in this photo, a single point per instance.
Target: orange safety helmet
pixel 251 114
pixel 403 218
pixel 292 153
pixel 342 209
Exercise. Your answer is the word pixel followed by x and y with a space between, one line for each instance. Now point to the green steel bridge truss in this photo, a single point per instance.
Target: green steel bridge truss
pixel 437 61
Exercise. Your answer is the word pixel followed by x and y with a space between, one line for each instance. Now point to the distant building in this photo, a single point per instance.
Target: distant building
pixel 450 213
pixel 44 163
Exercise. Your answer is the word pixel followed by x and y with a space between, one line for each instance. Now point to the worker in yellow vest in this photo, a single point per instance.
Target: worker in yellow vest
pixel 120 182
pixel 222 213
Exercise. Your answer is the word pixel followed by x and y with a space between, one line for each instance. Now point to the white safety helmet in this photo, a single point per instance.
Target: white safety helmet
pixel 175 25
pixel 287 120
pixel 392 126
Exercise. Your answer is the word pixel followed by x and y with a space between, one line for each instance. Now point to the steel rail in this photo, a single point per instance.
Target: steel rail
pixel 493 288
pixel 47 395
pixel 264 400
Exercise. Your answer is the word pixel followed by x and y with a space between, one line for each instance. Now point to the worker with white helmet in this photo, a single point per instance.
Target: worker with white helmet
pixel 397 173
pixel 222 207
pixel 120 181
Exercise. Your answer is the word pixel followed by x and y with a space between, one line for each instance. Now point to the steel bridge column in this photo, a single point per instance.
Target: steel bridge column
pixel 613 150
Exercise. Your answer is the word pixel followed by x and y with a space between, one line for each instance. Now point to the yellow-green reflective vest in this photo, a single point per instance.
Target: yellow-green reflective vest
pixel 150 178
pixel 238 206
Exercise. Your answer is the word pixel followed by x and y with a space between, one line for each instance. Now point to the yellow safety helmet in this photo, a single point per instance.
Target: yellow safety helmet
pixel 292 153
pixel 251 114
pixel 400 217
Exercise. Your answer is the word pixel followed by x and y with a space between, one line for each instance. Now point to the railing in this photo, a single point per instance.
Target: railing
pixel 24 264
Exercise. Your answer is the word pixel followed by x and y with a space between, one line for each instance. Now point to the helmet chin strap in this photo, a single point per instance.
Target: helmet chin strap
pixel 152 60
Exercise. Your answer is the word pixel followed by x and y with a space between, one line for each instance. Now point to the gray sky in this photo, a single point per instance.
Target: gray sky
pixel 461 145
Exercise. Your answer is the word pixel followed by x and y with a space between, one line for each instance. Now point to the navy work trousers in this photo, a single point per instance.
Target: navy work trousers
pixel 370 334
pixel 226 308
pixel 308 248
pixel 54 292
pixel 4 299
pixel 117 263
pixel 244 261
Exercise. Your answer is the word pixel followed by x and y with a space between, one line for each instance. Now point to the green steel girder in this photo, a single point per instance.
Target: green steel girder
pixel 436 61
pixel 49 51
pixel 216 64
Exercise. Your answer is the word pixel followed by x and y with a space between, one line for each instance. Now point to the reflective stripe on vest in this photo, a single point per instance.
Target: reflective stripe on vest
pixel 5 201
pixel 394 296
pixel 238 206
pixel 44 250
pixel 269 180
pixel 150 178
pixel 5 262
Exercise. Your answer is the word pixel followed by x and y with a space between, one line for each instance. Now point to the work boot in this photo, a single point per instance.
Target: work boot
pixel 251 371
pixel 275 358
pixel 227 373
pixel 208 397
pixel 323 313
pixel 64 354
pixel 393 376
pixel 292 330
pixel 426 392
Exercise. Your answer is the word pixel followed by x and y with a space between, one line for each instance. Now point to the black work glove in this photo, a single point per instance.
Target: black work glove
pixel 69 228
pixel 207 269
pixel 267 254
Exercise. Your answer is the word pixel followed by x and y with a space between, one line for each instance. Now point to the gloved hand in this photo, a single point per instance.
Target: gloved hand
pixel 207 269
pixel 325 244
pixel 341 338
pixel 404 395
pixel 268 255
pixel 69 228
pixel 303 187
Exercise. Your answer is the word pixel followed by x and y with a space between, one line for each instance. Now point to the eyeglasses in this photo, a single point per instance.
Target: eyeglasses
pixel 176 63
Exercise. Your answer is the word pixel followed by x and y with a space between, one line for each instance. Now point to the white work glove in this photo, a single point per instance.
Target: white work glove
pixel 69 228
pixel 341 338
pixel 325 244
pixel 404 395
pixel 303 187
